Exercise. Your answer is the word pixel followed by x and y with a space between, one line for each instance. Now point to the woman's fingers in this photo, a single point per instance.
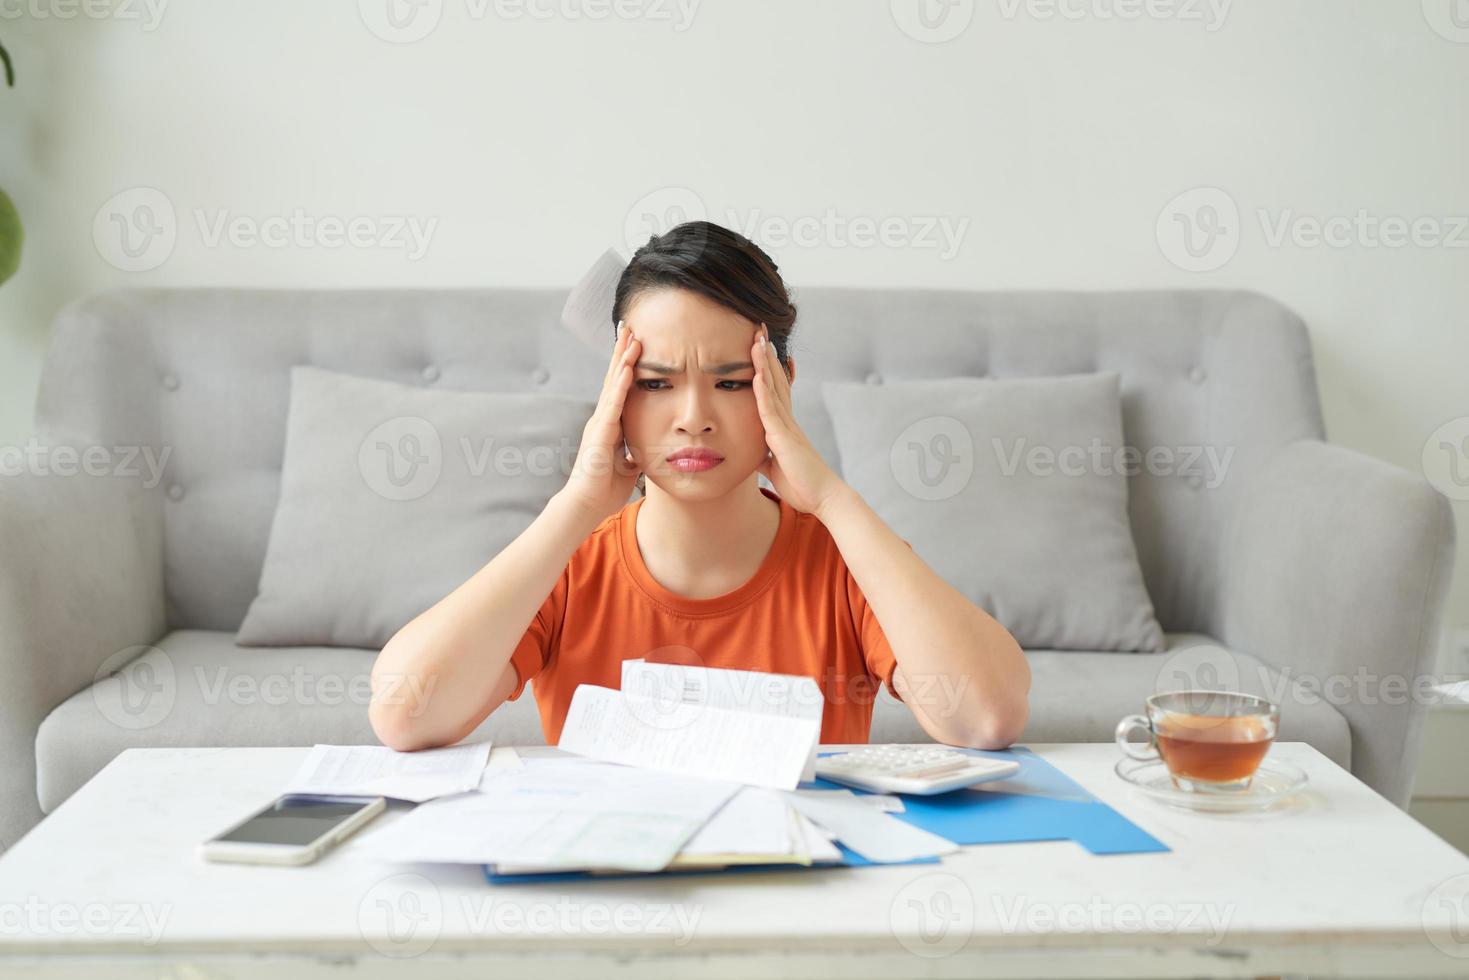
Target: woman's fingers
pixel 614 395
pixel 617 349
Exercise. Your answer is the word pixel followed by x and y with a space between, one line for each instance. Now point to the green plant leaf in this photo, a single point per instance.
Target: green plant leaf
pixel 9 68
pixel 11 236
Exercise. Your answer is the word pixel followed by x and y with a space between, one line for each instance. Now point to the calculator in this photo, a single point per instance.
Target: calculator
pixel 920 770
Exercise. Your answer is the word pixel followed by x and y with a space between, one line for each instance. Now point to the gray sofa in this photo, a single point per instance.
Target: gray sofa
pixel 1309 562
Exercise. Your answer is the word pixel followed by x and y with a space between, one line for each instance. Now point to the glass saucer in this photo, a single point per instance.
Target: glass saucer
pixel 1273 783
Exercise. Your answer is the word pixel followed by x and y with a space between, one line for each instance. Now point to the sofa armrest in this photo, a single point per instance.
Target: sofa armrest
pixel 81 578
pixel 1336 570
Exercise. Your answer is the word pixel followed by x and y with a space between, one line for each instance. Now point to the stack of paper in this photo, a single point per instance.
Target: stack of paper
pixel 742 725
pixel 577 815
pixel 375 770
pixel 685 767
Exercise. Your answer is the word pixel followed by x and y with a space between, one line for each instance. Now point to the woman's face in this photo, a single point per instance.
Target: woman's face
pixel 692 388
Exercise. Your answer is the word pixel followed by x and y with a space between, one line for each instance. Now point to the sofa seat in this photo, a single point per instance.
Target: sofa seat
pixel 197 688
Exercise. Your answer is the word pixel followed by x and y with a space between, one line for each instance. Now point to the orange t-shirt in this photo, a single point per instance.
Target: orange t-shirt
pixel 801 613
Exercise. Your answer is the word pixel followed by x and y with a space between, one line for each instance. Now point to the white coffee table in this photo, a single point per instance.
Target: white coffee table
pixel 1340 883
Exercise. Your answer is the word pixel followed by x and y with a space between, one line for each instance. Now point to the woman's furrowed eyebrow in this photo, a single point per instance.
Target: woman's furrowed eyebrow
pixel 728 368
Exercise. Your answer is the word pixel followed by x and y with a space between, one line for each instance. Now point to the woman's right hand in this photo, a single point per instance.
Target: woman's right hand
pixel 603 475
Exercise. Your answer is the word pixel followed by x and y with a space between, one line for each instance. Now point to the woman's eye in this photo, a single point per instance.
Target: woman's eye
pixel 737 385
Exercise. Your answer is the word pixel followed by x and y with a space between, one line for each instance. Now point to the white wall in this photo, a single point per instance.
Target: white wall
pixel 532 142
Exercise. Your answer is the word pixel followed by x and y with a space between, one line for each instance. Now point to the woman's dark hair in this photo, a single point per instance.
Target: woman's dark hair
pixel 716 262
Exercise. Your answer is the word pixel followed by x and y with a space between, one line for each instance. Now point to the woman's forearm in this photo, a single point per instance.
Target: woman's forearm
pixel 434 680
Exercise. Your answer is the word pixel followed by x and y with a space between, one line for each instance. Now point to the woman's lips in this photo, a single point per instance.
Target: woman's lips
pixel 695 462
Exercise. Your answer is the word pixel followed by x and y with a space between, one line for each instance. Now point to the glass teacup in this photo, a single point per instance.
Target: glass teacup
pixel 1211 741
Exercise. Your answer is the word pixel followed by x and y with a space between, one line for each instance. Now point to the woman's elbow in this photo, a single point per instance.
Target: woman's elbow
pixel 392 711
pixel 1003 728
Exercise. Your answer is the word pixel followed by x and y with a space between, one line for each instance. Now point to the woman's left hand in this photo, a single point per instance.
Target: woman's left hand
pixel 793 466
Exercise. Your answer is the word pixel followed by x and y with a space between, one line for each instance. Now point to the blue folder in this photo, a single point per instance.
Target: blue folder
pixel 1037 803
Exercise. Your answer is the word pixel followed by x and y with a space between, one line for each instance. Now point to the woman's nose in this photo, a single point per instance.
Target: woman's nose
pixel 695 413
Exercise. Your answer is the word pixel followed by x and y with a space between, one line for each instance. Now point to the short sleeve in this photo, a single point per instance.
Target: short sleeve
pixel 875 647
pixel 542 636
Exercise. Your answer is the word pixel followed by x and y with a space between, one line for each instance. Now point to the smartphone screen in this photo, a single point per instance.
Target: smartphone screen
pixel 295 820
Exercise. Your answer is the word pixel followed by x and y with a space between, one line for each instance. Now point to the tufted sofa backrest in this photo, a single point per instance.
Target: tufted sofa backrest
pixel 205 373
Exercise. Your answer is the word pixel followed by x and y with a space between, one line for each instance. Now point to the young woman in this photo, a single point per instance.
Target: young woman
pixel 706 566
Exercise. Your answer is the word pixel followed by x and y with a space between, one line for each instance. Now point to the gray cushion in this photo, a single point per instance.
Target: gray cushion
pixel 206 694
pixel 394 495
pixel 1080 697
pixel 1015 491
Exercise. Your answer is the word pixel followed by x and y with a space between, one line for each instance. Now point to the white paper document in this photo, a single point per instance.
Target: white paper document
pixel 755 820
pixel 785 695
pixel 871 833
pixel 571 816
pixel 690 739
pixel 376 770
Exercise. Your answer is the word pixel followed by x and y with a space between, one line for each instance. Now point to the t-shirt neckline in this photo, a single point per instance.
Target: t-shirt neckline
pixel 770 567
